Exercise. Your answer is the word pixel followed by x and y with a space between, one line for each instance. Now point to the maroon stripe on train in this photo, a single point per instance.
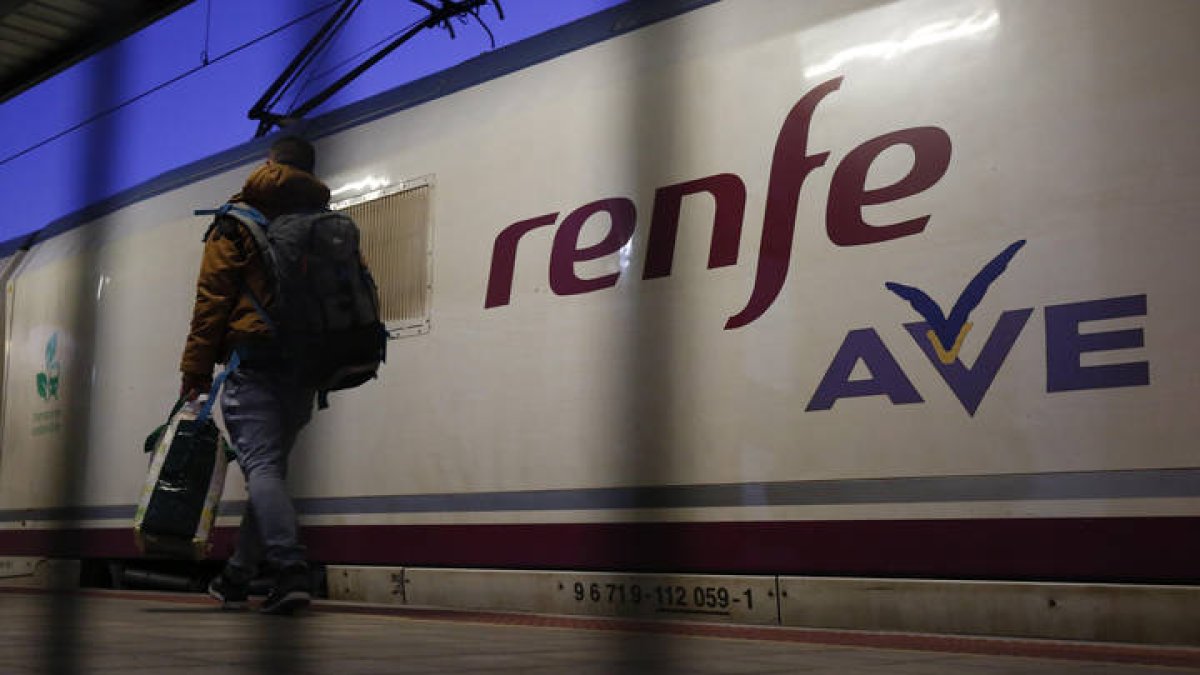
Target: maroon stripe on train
pixel 1131 549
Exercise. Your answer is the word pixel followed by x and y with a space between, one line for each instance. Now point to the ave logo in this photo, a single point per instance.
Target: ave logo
pixel 940 337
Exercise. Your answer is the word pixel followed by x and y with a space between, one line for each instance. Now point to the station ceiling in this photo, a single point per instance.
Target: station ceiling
pixel 40 38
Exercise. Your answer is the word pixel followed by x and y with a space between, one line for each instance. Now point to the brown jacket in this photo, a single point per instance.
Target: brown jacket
pixel 224 315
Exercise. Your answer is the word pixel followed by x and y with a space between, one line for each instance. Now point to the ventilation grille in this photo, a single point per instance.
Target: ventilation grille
pixel 395 242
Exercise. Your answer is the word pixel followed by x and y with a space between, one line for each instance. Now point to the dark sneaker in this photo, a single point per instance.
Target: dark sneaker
pixel 290 593
pixel 232 595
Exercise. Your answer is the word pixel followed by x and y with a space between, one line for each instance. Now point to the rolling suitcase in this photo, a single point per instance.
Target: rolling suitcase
pixel 179 501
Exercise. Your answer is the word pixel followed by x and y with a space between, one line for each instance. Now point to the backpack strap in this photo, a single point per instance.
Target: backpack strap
pixel 255 223
pixel 249 216
pixel 234 360
pixel 240 211
pixel 228 207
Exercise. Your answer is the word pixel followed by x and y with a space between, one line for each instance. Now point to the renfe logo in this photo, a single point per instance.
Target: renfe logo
pixel 791 165
pixel 939 337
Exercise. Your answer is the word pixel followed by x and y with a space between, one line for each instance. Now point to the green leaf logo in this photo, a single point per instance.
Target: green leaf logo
pixel 47 380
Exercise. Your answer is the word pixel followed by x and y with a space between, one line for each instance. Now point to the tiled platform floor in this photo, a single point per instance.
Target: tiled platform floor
pixel 144 634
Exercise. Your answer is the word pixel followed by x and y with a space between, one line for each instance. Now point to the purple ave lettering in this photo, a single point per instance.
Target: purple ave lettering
pixel 1064 346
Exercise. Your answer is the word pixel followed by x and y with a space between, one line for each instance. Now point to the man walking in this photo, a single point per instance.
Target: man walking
pixel 263 403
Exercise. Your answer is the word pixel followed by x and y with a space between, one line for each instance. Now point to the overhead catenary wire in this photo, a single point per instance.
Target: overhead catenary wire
pixel 328 72
pixel 439 15
pixel 207 60
pixel 207 31
pixel 163 85
pixel 316 44
pixel 324 74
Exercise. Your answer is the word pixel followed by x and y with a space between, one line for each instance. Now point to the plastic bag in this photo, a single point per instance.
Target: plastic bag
pixel 182 492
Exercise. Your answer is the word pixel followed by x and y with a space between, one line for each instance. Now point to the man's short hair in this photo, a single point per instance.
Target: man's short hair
pixel 294 151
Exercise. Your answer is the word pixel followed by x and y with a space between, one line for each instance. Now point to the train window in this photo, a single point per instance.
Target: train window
pixel 397 243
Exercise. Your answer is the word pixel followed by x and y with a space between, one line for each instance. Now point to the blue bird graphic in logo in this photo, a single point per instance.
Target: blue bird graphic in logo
pixel 947 332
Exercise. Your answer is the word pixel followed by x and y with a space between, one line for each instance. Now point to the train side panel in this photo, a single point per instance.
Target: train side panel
pixel 644 376
pixel 680 282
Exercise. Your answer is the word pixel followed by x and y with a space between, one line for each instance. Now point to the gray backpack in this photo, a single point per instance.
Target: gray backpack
pixel 324 308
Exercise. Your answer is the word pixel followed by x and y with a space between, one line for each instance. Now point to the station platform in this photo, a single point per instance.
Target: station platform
pixel 143 633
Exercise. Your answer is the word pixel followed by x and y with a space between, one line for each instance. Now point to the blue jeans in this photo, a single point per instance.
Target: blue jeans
pixel 263 413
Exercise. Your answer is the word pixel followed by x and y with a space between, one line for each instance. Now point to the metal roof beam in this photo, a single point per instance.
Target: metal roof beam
pixel 44 56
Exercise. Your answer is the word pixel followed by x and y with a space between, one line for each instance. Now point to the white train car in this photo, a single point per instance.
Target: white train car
pixel 653 280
